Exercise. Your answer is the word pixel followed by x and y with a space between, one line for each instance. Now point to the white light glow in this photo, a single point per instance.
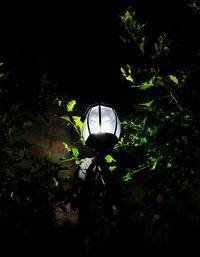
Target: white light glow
pixel 94 121
pixel 101 119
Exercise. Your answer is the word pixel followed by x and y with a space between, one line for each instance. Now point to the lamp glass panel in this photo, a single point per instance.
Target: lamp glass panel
pixel 108 120
pixel 94 120
pixel 107 123
pixel 118 130
pixel 85 131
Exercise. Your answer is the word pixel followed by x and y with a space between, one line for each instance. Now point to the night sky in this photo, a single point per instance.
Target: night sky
pixel 74 43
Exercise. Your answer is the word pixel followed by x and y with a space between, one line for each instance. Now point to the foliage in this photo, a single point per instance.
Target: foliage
pixel 28 186
pixel 161 134
pixel 73 120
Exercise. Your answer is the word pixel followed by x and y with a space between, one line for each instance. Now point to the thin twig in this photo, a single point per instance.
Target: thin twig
pixel 176 101
pixel 140 169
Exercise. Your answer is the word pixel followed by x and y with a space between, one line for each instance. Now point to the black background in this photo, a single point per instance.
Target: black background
pixel 76 43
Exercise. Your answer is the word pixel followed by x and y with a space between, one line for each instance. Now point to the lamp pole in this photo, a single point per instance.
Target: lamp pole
pixel 101 131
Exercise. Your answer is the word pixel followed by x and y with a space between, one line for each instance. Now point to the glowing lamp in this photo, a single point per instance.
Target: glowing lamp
pixel 101 127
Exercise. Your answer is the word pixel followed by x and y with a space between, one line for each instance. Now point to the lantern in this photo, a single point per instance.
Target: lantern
pixel 101 127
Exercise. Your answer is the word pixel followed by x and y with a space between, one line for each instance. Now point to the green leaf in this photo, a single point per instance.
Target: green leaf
pixel 129 78
pixel 147 84
pixel 126 177
pixel 169 165
pixel 147 104
pixel 127 16
pixel 56 182
pixel 75 152
pixel 3 75
pixel 66 146
pixel 152 131
pixel 174 79
pixel 111 168
pixel 128 74
pixel 143 140
pixel 109 158
pixel 121 141
pixel 78 122
pixel 67 118
pixel 115 209
pixel 71 105
pixel 78 162
pixel 142 44
pixel 154 162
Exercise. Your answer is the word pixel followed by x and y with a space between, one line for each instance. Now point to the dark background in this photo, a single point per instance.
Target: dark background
pixel 74 43
pixel 77 45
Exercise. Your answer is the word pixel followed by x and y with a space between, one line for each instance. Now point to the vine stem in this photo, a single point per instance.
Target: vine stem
pixel 176 101
pixel 135 171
